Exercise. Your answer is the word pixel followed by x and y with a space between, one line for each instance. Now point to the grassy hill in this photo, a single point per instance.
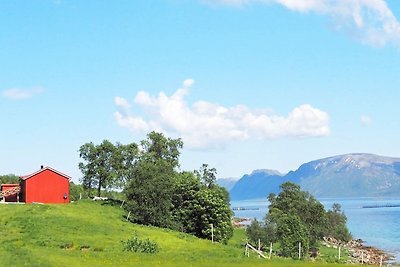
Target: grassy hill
pixel 87 233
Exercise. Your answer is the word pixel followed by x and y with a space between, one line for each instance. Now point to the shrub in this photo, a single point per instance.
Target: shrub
pixel 135 244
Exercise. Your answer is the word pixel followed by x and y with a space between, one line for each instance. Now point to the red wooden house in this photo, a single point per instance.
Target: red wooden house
pixel 45 186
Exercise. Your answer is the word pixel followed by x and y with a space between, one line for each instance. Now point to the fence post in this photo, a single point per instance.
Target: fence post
pixel 299 250
pixel 212 233
pixel 362 257
pixel 339 252
pixel 270 250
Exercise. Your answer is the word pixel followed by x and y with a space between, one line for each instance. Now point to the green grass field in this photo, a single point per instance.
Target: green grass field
pixel 88 233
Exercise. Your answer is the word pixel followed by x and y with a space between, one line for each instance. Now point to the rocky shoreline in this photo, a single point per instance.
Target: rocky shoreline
pixel 359 253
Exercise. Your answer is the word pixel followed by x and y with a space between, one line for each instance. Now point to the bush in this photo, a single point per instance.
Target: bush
pixel 135 244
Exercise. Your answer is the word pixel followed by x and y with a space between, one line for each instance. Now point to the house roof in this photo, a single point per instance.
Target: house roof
pixel 26 177
pixel 9 185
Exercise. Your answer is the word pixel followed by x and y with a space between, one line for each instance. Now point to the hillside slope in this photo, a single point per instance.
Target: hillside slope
pixel 90 234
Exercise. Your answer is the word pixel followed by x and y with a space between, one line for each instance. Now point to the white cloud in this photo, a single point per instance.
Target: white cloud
pixel 370 21
pixel 366 120
pixel 209 125
pixel 19 94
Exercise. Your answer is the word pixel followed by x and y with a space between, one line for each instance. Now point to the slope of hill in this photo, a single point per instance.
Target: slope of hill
pixel 88 234
pixel 349 175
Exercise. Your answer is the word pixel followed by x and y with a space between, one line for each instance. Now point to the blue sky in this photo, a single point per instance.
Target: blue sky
pixel 247 84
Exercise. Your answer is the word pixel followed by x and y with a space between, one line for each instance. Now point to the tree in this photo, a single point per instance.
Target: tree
pixel 126 157
pixel 159 147
pixel 196 207
pixel 150 187
pixel 157 194
pixel 9 179
pixel 149 193
pixel 291 232
pixel 337 224
pixel 255 231
pixel 292 201
pixel 186 185
pixel 300 218
pixel 211 208
pixel 101 167
pixel 206 175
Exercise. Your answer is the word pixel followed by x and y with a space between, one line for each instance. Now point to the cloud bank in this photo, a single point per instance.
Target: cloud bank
pixel 370 21
pixel 209 125
pixel 19 94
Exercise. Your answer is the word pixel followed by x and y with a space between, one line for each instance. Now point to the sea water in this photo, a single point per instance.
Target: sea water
pixel 374 220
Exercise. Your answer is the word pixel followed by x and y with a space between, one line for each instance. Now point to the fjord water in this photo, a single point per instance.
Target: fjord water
pixel 377 225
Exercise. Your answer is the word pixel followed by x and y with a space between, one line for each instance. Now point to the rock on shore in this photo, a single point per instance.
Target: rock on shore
pixel 360 253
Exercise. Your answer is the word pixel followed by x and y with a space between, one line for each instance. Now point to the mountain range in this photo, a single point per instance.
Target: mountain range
pixel 349 175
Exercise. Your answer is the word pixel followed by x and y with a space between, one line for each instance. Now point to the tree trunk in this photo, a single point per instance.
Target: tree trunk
pixel 99 188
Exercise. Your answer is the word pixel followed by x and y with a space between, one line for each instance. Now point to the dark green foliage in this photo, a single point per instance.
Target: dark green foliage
pixel 210 207
pixel 150 188
pixel 196 207
pixel 255 231
pixel 337 224
pixel 291 232
pixel 9 179
pixel 76 191
pixel 149 193
pixel 135 244
pixel 293 201
pixel 106 165
pixel 206 176
pixel 155 193
pixel 265 232
pixel 295 217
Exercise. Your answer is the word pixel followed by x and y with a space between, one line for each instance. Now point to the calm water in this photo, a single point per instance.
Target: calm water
pixel 378 227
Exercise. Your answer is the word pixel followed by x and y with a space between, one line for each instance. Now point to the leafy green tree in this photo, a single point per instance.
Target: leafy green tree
pixel 265 231
pixel 292 201
pixel 211 208
pixel 149 193
pixel 196 207
pixel 206 175
pixel 125 160
pixel 9 179
pixel 100 168
pixel 159 147
pixel 150 188
pixel 158 195
pixel 337 224
pixel 186 186
pixel 255 231
pixel 76 191
pixel 291 232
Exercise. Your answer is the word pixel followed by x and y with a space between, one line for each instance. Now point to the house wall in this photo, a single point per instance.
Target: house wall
pixel 46 187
